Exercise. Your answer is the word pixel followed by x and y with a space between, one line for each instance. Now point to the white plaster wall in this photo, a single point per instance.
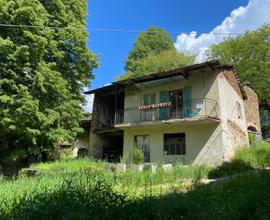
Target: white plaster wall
pixel 81 142
pixel 203 142
pixel 204 85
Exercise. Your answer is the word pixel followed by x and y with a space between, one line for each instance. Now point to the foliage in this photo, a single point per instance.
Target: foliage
pixel 71 165
pixel 234 167
pixel 154 51
pixel 43 71
pixel 79 188
pixel 239 198
pixel 59 196
pixel 246 159
pixel 66 153
pixel 164 61
pixel 251 138
pixel 78 195
pixel 125 159
pixel 265 121
pixel 250 55
pixel 154 40
pixel 258 155
pixel 137 155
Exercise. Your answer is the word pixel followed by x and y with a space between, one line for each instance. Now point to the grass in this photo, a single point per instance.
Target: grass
pixel 255 157
pixel 84 189
pixel 90 195
pixel 71 165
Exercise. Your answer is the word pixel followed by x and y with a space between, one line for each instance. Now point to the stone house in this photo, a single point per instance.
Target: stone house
pixel 195 114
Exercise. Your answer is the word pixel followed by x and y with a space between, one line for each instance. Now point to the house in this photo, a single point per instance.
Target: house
pixel 196 114
pixel 82 141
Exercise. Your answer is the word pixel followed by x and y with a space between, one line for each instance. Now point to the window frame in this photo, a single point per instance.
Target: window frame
pixel 145 147
pixel 172 147
pixel 149 99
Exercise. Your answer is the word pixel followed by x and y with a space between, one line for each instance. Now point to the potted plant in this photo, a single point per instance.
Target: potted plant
pixel 137 159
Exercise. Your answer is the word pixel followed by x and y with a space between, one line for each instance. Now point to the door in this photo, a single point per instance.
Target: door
pixel 176 99
pixel 142 142
pixel 149 114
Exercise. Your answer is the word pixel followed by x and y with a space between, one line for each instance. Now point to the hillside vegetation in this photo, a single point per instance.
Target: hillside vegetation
pixel 84 189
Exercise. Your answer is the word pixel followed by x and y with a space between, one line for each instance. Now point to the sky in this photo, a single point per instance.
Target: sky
pixel 196 21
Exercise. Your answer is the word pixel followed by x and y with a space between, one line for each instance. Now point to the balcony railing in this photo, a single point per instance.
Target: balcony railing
pixel 188 109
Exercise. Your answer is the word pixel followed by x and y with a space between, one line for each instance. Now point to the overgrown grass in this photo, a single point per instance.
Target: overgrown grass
pixel 90 195
pixel 84 189
pixel 69 165
pixel 129 178
pixel 255 157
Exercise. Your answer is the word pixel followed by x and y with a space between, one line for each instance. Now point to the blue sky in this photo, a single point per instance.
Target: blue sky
pixel 201 18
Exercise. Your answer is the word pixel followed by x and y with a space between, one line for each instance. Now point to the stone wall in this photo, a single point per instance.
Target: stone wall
pixel 238 139
pixel 252 109
pixel 232 79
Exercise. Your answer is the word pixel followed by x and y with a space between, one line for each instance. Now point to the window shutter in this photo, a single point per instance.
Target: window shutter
pixel 153 99
pixel 187 99
pixel 146 99
pixel 163 112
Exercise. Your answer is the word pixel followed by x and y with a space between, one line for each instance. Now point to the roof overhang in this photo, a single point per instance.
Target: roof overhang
pixel 183 73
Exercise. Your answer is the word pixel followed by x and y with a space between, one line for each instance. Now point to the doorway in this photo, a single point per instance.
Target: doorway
pixel 176 100
pixel 142 142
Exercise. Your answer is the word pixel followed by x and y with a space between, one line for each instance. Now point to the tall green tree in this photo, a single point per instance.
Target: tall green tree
pixel 154 51
pixel 42 73
pixel 163 61
pixel 250 54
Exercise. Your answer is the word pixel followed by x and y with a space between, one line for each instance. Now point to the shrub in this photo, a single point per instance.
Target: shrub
pixel 137 155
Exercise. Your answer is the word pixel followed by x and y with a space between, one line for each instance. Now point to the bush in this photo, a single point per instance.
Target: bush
pixel 137 155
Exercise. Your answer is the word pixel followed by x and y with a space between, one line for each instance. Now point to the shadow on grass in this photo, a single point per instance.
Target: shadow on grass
pixel 239 198
pixel 230 168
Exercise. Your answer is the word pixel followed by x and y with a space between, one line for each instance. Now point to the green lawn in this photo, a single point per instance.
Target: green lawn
pixel 82 189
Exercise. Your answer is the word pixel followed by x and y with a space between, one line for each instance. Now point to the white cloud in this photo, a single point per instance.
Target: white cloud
pixel 250 17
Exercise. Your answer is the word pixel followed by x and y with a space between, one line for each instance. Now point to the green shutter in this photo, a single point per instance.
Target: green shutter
pixel 187 101
pixel 146 99
pixel 163 112
pixel 149 99
pixel 153 99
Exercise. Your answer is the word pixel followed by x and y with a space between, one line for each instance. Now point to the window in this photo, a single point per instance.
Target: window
pixel 175 144
pixel 142 142
pixel 239 110
pixel 149 99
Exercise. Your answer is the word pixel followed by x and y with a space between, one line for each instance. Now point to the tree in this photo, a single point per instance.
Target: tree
pixel 165 60
pixel 42 73
pixel 250 54
pixel 154 51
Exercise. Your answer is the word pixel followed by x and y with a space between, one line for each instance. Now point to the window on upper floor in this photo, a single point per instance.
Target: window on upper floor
pixel 149 99
pixel 175 144
pixel 239 110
